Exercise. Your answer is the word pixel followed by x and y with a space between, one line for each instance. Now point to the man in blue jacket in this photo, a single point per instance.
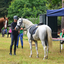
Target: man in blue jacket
pixel 14 35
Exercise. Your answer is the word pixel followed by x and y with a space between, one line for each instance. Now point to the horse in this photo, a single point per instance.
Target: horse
pixel 3 23
pixel 42 33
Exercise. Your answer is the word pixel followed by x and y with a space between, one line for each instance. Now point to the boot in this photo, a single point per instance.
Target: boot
pixel 22 47
pixel 15 50
pixel 7 35
pixel 10 50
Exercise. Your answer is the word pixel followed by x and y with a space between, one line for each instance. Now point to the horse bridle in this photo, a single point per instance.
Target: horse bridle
pixel 20 23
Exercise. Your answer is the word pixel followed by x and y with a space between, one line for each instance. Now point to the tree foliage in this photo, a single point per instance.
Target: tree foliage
pixel 3 7
pixel 27 8
pixel 54 4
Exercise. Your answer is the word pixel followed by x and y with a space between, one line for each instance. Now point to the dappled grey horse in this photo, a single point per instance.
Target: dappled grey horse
pixel 43 33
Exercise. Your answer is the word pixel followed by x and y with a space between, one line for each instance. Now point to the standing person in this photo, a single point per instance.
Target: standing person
pixel 10 31
pixel 62 36
pixel 14 35
pixel 21 37
pixel 4 31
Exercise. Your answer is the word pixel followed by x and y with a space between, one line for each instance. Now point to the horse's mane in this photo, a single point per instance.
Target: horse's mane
pixel 27 21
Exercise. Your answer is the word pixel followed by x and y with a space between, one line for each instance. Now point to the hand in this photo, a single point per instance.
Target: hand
pixel 21 28
pixel 61 36
pixel 15 28
pixel 18 31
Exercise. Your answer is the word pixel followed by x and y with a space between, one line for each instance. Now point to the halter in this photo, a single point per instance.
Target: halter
pixel 18 26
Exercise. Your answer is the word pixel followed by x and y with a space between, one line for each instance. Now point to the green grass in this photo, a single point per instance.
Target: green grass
pixel 22 55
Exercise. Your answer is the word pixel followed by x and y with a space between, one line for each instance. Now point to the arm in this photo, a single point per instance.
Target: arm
pixel 21 28
pixel 12 27
pixel 60 35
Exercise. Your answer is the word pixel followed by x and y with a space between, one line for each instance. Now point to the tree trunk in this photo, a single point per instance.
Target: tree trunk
pixel 62 21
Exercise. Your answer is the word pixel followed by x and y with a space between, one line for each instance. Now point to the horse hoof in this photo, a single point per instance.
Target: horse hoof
pixel 37 56
pixel 30 56
pixel 45 58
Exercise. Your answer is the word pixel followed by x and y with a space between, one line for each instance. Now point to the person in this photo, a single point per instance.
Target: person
pixel 10 31
pixel 14 35
pixel 4 31
pixel 21 37
pixel 62 36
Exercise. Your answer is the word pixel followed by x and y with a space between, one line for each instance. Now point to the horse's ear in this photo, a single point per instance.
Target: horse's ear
pixel 18 17
pixel 21 17
pixel 4 17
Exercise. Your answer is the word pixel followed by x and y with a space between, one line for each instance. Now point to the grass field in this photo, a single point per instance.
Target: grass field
pixel 22 55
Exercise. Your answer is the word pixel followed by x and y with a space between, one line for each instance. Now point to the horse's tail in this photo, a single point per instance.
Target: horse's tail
pixel 49 32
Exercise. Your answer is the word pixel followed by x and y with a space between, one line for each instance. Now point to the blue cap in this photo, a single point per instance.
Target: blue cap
pixel 15 17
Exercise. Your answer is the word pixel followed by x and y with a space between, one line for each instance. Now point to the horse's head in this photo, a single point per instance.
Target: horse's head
pixel 23 23
pixel 19 23
pixel 5 22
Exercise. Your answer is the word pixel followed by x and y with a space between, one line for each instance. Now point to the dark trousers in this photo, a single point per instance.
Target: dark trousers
pixel 13 41
pixel 3 33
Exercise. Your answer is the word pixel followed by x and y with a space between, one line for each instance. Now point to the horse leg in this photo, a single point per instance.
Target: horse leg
pixel 61 46
pixel 46 43
pixel 36 44
pixel 30 42
pixel 45 53
pixel 45 50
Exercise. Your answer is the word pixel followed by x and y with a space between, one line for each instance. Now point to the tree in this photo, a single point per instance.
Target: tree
pixel 3 7
pixel 54 4
pixel 27 8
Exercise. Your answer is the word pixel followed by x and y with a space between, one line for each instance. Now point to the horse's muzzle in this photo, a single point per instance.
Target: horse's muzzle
pixel 17 27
